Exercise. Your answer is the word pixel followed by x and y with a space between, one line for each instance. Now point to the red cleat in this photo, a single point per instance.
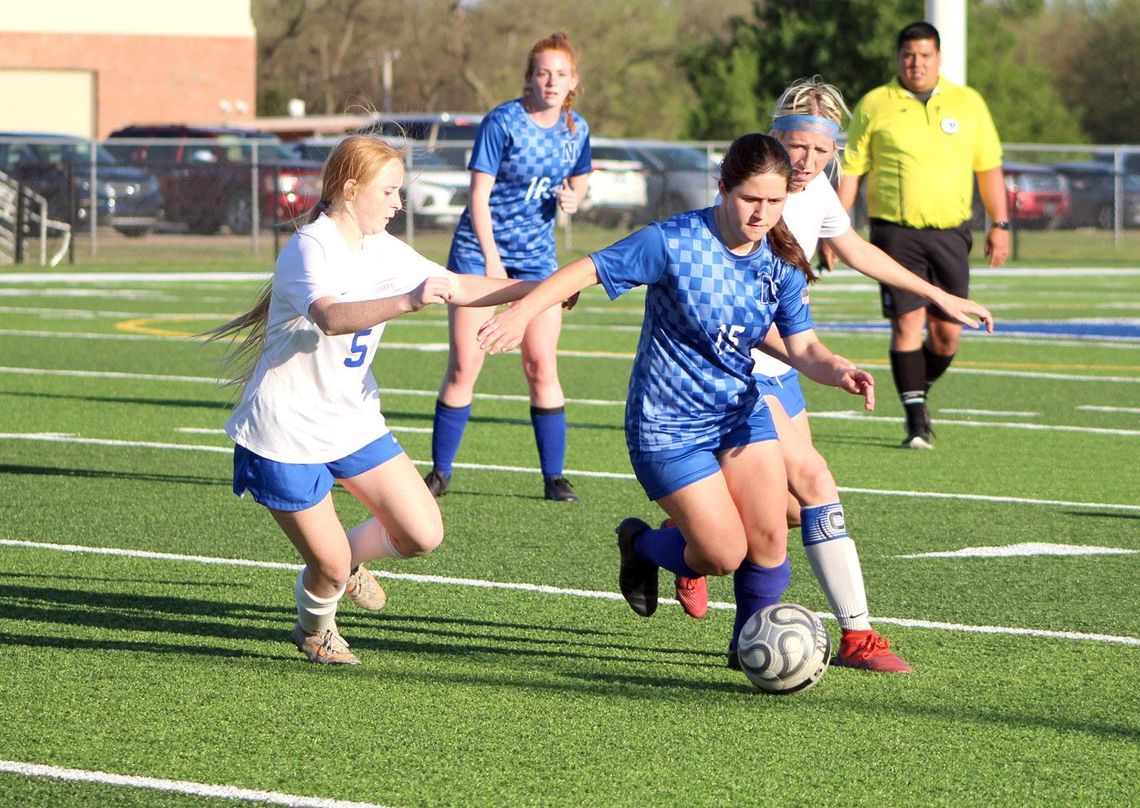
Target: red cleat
pixel 693 594
pixel 869 651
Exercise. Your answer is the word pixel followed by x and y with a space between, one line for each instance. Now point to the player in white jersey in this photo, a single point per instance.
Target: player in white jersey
pixel 531 159
pixel 309 415
pixel 700 435
pixel 806 121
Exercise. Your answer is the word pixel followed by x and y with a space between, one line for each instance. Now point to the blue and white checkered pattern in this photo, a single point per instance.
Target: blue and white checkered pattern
pixel 704 310
pixel 528 162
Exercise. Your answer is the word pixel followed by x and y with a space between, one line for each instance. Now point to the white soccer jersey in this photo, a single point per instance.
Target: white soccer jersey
pixel 312 398
pixel 811 214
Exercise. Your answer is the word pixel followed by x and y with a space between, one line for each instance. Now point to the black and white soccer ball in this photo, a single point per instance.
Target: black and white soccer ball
pixel 784 648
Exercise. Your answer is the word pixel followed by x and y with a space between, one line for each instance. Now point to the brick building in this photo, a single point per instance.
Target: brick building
pixel 85 68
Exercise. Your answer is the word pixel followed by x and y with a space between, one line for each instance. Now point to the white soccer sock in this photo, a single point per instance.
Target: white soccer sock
pixel 370 540
pixel 315 614
pixel 835 563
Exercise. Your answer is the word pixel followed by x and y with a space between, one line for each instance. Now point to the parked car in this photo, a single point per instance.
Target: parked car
pixel 436 184
pixel 58 167
pixel 429 127
pixel 1037 197
pixel 619 192
pixel 678 177
pixel 207 175
pixel 1092 192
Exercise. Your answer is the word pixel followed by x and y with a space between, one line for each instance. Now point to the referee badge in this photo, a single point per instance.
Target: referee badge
pixel 950 126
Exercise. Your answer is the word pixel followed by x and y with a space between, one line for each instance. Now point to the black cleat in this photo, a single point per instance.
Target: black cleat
pixel 919 435
pixel 558 489
pixel 437 483
pixel 733 659
pixel 637 578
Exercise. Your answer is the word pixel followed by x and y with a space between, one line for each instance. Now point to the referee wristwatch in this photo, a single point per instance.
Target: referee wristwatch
pixel 1000 225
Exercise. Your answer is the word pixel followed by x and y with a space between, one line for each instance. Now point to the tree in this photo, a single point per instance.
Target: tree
pixel 1099 66
pixel 852 45
pixel 1020 89
pixel 465 55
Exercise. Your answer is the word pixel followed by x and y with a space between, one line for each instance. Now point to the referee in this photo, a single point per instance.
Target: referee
pixel 920 140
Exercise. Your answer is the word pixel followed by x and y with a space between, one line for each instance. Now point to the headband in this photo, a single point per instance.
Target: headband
pixel 807 123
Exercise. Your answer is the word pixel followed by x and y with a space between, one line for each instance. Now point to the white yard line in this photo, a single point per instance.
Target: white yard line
pixel 59 437
pixel 550 590
pixel 176 786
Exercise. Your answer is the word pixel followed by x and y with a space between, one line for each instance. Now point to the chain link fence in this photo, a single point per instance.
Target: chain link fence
pixel 236 200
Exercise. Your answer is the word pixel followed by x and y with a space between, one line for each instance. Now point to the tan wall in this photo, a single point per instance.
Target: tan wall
pixel 73 94
pixel 199 18
pixel 143 78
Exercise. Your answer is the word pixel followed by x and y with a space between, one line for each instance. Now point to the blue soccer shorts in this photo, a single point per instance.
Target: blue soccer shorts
pixel 664 472
pixel 297 486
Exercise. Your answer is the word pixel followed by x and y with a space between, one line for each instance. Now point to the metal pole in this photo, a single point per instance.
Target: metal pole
pixel 94 203
pixel 949 17
pixel 255 202
pixel 1118 197
pixel 43 232
pixel 409 208
pixel 18 249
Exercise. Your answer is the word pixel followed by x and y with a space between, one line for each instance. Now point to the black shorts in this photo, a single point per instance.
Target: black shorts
pixel 939 257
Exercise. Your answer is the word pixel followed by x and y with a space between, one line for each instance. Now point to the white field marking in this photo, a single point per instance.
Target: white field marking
pixel 56 437
pixel 176 786
pixel 100 374
pixel 546 590
pixel 121 294
pixel 1094 408
pixel 1031 548
pixel 123 277
pixel 86 314
pixel 194 430
pixel 1010 413
pixel 1088 430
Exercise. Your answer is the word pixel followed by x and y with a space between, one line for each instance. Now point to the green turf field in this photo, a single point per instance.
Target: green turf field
pixel 144 610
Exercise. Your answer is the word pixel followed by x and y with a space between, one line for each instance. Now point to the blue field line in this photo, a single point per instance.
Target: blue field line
pixel 1122 329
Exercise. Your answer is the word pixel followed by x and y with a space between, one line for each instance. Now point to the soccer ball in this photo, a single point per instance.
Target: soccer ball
pixel 784 648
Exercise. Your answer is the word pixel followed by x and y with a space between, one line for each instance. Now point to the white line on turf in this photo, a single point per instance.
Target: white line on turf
pixel 441 347
pixel 1029 548
pixel 176 786
pixel 1094 408
pixel 59 437
pixel 1007 413
pixel 551 590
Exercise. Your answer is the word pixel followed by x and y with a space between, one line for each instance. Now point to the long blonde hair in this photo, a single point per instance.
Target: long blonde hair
pixel 558 41
pixel 357 157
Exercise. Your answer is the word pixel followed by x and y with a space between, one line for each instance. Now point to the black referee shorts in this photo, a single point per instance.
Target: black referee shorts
pixel 939 257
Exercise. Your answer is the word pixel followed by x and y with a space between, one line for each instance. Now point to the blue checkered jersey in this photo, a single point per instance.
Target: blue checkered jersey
pixel 705 307
pixel 528 162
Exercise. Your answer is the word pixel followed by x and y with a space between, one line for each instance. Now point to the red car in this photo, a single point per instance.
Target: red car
pixel 1038 195
pixel 209 179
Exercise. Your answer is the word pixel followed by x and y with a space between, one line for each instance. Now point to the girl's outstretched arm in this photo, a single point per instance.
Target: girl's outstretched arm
pixel 868 259
pixel 505 330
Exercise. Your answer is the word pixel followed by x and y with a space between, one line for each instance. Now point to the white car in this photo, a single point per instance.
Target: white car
pixel 436 181
pixel 618 192
pixel 437 186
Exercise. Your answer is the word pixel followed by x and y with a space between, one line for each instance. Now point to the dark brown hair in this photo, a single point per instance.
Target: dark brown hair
pixel 754 154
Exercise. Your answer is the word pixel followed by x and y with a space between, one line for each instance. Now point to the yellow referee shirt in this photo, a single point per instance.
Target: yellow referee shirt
pixel 921 158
